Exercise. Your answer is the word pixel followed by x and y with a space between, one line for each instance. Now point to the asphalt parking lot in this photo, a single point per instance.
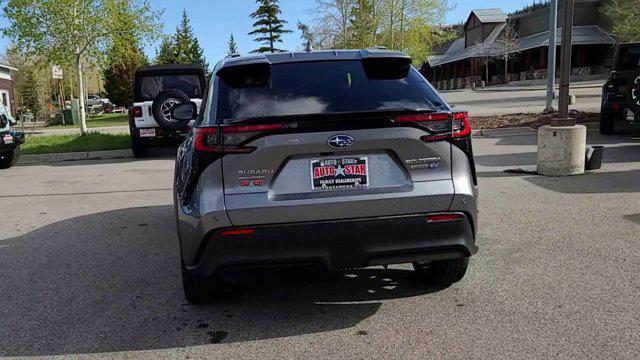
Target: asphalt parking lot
pixel 89 266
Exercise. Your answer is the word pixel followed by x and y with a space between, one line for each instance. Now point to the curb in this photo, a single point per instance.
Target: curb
pixel 74 156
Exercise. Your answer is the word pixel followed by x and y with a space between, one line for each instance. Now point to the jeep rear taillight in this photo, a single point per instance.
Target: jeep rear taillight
pixel 136 111
pixel 230 139
pixel 439 124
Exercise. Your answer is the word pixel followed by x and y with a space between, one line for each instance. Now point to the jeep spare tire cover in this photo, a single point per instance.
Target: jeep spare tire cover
pixel 634 92
pixel 162 106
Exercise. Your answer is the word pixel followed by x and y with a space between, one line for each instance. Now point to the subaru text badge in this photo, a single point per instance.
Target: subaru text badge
pixel 340 141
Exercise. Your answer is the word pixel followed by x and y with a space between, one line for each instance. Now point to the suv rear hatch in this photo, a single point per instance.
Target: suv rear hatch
pixel 352 143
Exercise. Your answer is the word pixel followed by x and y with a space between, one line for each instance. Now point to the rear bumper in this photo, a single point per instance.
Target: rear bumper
pixel 337 244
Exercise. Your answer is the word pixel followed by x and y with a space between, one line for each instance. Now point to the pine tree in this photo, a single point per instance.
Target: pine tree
pixel 268 26
pixel 29 93
pixel 233 47
pixel 119 74
pixel 183 47
pixel 166 54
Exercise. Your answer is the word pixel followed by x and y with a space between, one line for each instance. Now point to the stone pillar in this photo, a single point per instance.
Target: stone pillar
pixel 561 150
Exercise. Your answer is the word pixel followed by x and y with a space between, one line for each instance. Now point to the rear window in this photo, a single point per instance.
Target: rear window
pixel 148 87
pixel 628 58
pixel 319 88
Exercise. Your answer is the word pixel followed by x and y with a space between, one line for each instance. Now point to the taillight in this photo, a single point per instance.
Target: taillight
pixel 232 138
pixel 237 232
pixel 444 217
pixel 439 125
pixel 137 111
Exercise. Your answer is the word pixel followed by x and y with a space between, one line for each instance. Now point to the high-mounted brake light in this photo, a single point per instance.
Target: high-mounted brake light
pixel 137 111
pixel 230 139
pixel 438 124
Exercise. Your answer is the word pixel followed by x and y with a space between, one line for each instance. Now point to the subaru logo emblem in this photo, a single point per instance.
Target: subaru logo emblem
pixel 340 141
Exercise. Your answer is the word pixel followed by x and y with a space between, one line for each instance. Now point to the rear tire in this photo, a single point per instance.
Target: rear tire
pixel 608 120
pixel 199 290
pixel 442 272
pixel 139 147
pixel 9 158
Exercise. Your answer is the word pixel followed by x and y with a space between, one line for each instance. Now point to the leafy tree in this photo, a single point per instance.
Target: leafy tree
pixel 124 57
pixel 233 47
pixel 28 92
pixel 268 26
pixel 626 19
pixel 75 32
pixel 331 23
pixel 361 24
pixel 505 46
pixel 412 26
pixel 182 47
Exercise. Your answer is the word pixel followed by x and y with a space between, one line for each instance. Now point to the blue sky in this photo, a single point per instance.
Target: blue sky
pixel 214 20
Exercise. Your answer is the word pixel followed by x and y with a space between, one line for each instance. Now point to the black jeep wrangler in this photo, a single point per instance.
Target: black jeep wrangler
pixel 156 90
pixel 621 92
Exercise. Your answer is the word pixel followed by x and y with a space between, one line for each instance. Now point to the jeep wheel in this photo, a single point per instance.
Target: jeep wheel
pixel 607 122
pixel 9 158
pixel 634 92
pixel 162 106
pixel 139 147
pixel 442 272
pixel 199 290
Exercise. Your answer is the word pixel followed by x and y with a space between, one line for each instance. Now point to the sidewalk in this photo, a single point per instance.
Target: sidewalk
pixel 592 84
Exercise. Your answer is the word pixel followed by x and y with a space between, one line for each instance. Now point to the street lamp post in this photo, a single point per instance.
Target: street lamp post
pixel 565 66
pixel 551 62
pixel 561 145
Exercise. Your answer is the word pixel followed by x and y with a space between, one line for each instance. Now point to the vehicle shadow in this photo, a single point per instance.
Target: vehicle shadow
pixel 613 154
pixel 622 137
pixel 594 183
pixel 111 282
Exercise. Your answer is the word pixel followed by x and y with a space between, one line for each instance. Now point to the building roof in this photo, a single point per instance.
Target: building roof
pixel 488 16
pixel 582 35
pixel 8 67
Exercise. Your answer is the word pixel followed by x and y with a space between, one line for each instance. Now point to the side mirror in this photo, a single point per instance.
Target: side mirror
pixel 185 112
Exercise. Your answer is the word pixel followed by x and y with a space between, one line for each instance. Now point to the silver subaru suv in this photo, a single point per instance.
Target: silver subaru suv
pixel 339 159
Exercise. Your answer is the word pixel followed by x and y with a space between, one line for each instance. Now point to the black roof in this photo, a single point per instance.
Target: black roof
pixel 171 68
pixel 304 56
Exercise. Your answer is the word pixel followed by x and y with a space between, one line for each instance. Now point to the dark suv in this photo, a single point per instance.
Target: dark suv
pixel 621 92
pixel 339 159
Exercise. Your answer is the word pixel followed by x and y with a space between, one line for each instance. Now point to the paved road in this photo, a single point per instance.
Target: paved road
pixel 505 100
pixel 89 266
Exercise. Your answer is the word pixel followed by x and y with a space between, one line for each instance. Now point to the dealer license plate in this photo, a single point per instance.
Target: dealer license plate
pixel 340 174
pixel 147 133
pixel 7 139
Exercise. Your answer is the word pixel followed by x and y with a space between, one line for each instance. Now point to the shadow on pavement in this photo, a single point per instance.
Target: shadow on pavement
pixel 110 282
pixel 617 154
pixel 592 138
pixel 594 183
